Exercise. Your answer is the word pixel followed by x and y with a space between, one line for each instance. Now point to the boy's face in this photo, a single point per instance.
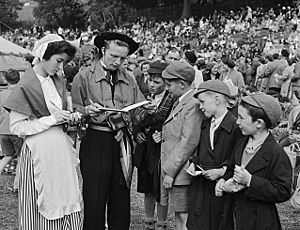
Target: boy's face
pixel 156 85
pixel 173 86
pixel 245 123
pixel 207 104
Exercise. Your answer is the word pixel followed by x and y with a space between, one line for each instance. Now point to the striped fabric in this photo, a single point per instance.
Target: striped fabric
pixel 29 217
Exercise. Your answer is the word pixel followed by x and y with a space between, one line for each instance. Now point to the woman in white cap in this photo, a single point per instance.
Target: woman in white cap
pixel 49 194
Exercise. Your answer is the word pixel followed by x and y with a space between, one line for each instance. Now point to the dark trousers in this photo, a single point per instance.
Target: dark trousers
pixel 103 183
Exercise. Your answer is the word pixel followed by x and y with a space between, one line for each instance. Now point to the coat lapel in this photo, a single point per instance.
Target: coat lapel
pixel 206 137
pixel 179 107
pixel 262 158
pixel 240 150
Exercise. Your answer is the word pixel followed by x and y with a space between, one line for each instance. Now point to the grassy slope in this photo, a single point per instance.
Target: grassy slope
pixel 9 209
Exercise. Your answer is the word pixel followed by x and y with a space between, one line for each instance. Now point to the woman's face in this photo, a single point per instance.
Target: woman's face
pixel 145 68
pixel 55 63
pixel 214 69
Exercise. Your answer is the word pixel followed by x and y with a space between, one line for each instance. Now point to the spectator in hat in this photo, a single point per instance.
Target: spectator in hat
pixel 147 132
pixel 180 137
pixel 219 133
pixel 191 58
pixel 105 151
pixel 259 174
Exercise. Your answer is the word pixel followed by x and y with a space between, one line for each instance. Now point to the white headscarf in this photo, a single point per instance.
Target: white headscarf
pixel 41 45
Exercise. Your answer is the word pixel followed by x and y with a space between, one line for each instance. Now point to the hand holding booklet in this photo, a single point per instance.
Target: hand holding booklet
pixel 124 110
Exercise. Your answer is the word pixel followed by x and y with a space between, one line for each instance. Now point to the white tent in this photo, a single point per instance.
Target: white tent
pixel 7 47
pixel 12 62
pixel 11 58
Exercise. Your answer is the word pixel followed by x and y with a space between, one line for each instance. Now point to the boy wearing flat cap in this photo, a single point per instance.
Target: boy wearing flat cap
pixel 147 131
pixel 259 174
pixel 180 138
pixel 219 133
pixel 105 151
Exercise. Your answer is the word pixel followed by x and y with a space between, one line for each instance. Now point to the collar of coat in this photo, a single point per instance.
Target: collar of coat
pixel 263 156
pixel 96 67
pixel 227 123
pixel 180 105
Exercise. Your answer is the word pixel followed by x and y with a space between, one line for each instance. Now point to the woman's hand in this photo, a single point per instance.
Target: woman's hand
pixel 75 118
pixel 61 116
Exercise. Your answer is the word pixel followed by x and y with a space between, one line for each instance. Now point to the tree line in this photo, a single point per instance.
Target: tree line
pixel 100 14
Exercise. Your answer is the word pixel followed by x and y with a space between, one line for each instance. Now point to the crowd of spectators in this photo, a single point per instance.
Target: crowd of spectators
pixel 252 38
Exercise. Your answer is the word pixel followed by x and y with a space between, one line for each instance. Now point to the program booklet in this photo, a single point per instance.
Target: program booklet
pixel 125 109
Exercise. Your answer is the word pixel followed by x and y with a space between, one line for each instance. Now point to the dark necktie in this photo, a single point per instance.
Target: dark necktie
pixel 110 77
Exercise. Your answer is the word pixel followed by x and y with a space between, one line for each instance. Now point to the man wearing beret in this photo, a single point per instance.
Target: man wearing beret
pixel 180 138
pixel 105 151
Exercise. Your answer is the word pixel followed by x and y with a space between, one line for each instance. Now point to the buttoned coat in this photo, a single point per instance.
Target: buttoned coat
pixel 205 209
pixel 270 184
pixel 180 138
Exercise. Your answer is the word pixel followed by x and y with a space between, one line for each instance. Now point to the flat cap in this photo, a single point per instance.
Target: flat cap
pixel 157 67
pixel 267 103
pixel 216 86
pixel 179 70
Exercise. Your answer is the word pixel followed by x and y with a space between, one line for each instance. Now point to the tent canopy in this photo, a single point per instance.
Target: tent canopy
pixel 7 47
pixel 12 62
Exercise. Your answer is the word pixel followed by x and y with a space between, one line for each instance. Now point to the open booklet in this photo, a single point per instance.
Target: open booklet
pixel 125 109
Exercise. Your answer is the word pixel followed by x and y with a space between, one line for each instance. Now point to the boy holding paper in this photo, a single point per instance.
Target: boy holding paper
pixel 259 174
pixel 219 133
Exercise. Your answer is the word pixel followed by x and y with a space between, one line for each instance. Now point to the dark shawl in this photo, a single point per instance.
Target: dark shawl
pixel 27 96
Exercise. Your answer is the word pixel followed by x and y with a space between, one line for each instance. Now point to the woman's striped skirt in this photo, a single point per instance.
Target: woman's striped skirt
pixel 29 217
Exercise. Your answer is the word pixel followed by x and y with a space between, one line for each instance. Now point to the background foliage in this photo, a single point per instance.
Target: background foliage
pixel 8 9
pixel 64 13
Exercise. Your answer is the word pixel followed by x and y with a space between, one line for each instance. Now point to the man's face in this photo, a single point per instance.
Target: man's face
pixel 172 56
pixel 173 86
pixel 114 56
pixel 156 85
